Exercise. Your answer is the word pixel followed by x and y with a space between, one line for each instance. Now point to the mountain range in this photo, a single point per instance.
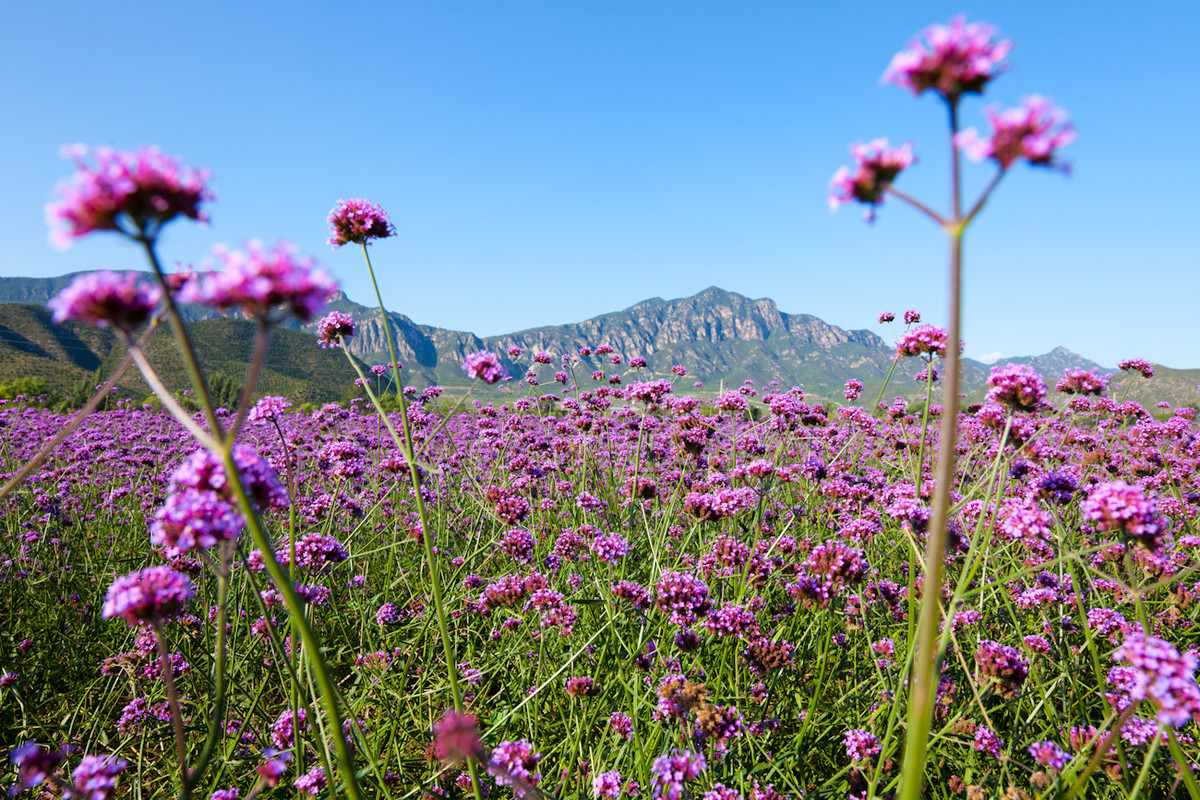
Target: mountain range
pixel 721 337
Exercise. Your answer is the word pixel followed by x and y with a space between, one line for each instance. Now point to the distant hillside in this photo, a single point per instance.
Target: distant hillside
pixel 721 337
pixel 32 346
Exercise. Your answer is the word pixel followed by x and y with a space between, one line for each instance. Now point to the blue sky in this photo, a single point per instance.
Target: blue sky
pixel 545 162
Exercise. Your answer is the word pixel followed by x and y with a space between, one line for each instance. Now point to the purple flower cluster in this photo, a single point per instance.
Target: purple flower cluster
pixel 484 366
pixel 1078 381
pixel 194 519
pixel 334 328
pixel 260 280
pixel 920 340
pixel 1117 506
pixel 954 59
pixel 1002 667
pixel 515 764
pixel 876 165
pixel 149 596
pixel 358 221
pixel 1018 386
pixel 1033 132
pixel 683 596
pixel 1163 676
pixel 861 745
pixel 122 300
pixel 670 772
pixel 135 193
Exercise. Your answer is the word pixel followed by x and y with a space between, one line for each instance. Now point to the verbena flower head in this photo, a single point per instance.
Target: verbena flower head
pixel 515 764
pixel 1118 506
pixel 194 520
pixel 335 327
pixel 95 778
pixel 1002 666
pixel 876 166
pixel 1078 381
pixel 1140 365
pixel 1016 385
pixel 922 339
pixel 1034 131
pixel 103 298
pixel 1048 754
pixel 954 60
pixel 204 471
pixel 358 222
pixel 268 407
pixel 861 745
pixel 671 771
pixel 484 366
pixel 456 737
pixel 259 280
pixel 148 596
pixel 1163 676
pixel 34 764
pixel 134 192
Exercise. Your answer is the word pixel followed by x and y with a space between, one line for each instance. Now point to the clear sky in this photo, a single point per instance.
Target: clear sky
pixel 545 162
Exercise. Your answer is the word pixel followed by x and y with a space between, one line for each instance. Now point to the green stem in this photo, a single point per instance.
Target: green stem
pixel 217 718
pixel 186 350
pixel 925 673
pixel 308 636
pixel 176 714
pixel 426 534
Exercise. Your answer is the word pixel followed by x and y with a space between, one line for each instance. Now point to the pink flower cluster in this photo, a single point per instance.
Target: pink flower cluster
pixel 1117 506
pixel 484 366
pixel 1162 676
pixel 260 279
pixel 105 298
pixel 135 193
pixel 148 596
pixel 1033 131
pixel 334 328
pixel 922 339
pixel 954 59
pixel 358 221
pixel 1016 385
pixel 876 166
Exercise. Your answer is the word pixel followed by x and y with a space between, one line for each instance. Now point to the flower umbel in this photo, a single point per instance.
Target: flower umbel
pixel 152 595
pixel 954 59
pixel 877 165
pixel 134 193
pixel 106 298
pixel 358 221
pixel 261 279
pixel 1033 131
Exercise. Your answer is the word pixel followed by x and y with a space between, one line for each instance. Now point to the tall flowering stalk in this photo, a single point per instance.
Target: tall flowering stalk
pixel 222 487
pixel 359 222
pixel 952 61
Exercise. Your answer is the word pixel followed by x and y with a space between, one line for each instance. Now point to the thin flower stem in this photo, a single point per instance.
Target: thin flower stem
pixel 426 534
pixel 169 402
pixel 253 372
pixel 295 607
pixel 925 673
pixel 983 198
pixel 186 350
pixel 917 204
pixel 217 716
pixel 176 714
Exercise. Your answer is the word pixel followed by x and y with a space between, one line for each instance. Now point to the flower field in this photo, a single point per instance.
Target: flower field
pixel 628 571
pixel 612 589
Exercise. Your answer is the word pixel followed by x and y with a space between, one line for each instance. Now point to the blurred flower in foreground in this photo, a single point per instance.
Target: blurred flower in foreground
pixel 456 737
pixel 484 366
pixel 954 59
pixel 358 221
pixel 261 279
pixel 877 166
pixel 135 193
pixel 106 298
pixel 1033 131
pixel 152 595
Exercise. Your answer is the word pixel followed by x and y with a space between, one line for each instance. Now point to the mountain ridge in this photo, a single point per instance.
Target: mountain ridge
pixel 719 336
